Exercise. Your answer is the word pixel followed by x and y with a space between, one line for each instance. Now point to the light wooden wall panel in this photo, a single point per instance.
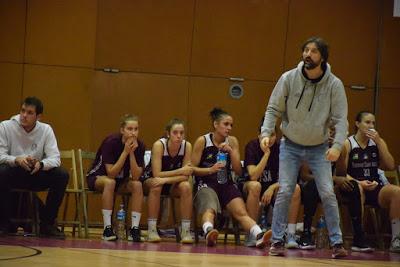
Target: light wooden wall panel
pixel 61 32
pixel 390 48
pixel 10 89
pixel 239 38
pixel 350 28
pixel 154 98
pixel 66 99
pixel 12 30
pixel 145 36
pixel 388 122
pixel 207 93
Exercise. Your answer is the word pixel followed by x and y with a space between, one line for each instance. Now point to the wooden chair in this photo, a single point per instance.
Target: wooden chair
pixel 32 203
pixel 85 159
pixel 67 158
pixel 74 188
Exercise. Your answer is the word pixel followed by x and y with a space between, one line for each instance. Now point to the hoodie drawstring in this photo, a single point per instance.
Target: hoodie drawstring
pixel 301 96
pixel 312 100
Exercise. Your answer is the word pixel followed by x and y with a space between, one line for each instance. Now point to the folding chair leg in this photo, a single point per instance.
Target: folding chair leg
pixel 236 230
pixel 65 211
pixel 35 211
pixel 85 213
pixel 196 227
pixel 125 201
pixel 77 217
pixel 176 224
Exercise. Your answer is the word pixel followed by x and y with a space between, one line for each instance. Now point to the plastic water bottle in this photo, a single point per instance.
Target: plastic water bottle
pixel 121 231
pixel 264 218
pixel 322 234
pixel 221 174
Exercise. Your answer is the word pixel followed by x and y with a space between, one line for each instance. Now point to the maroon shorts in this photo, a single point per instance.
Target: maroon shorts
pixel 371 197
pixel 225 192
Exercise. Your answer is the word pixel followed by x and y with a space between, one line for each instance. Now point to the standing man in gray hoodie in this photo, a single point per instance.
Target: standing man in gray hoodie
pixel 307 99
pixel 30 159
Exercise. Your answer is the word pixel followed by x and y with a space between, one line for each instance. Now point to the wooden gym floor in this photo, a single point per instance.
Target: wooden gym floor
pixel 32 251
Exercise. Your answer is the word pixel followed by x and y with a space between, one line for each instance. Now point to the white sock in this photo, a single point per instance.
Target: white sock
pixel 254 231
pixel 106 217
pixel 152 224
pixel 185 225
pixel 206 225
pixel 135 218
pixel 291 228
pixel 395 227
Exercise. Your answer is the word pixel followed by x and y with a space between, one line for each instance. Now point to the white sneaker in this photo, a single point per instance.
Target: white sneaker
pixel 291 241
pixel 395 244
pixel 186 237
pixel 249 242
pixel 153 237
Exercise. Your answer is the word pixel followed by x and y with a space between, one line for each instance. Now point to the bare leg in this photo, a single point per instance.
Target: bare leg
pixel 238 210
pixel 389 198
pixel 253 190
pixel 184 191
pixel 107 186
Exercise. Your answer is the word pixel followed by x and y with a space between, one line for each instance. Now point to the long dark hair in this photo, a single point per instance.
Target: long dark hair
pixel 217 114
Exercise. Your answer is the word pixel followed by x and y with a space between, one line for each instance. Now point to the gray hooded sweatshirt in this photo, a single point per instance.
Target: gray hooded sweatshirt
pixel 39 143
pixel 306 108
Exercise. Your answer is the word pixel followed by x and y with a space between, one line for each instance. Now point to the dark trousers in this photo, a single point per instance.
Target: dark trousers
pixel 54 180
pixel 352 199
pixel 310 199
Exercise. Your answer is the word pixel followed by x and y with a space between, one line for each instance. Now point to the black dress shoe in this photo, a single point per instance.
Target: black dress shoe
pixel 51 231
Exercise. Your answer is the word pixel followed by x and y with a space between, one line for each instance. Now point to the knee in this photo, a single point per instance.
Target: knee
pixel 185 188
pixel 62 174
pixel 136 187
pixel 254 188
pixel 156 190
pixel 109 184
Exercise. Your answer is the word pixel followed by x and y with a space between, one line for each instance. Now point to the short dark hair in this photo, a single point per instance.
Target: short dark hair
pixel 34 101
pixel 322 46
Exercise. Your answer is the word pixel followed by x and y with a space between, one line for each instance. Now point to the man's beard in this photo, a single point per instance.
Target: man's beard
pixel 309 64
